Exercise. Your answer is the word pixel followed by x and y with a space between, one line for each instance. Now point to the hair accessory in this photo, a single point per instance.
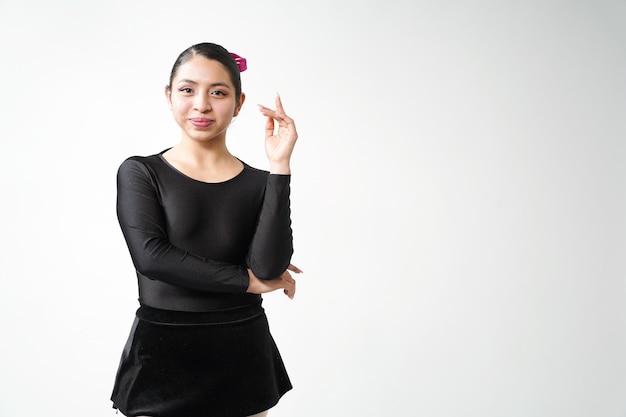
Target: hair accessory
pixel 241 62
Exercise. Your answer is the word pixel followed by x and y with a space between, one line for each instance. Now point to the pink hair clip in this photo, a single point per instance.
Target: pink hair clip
pixel 241 62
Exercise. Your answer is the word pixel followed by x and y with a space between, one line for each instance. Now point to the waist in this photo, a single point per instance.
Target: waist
pixel 229 316
pixel 164 296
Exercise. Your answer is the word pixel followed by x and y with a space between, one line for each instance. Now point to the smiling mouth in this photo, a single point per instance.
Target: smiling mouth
pixel 201 122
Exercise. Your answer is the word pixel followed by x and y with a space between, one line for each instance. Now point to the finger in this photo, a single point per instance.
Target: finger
pixel 290 293
pixel 279 104
pixel 294 268
pixel 280 111
pixel 269 127
pixel 278 114
pixel 282 118
pixel 264 109
pixel 267 111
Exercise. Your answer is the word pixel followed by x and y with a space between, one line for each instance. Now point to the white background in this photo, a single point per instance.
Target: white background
pixel 459 197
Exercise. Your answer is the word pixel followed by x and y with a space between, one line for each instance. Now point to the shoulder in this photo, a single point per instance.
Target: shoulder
pixel 251 177
pixel 147 161
pixel 142 160
pixel 256 172
pixel 139 166
pixel 265 177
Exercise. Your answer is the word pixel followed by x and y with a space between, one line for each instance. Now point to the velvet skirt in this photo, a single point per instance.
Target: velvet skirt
pixel 183 364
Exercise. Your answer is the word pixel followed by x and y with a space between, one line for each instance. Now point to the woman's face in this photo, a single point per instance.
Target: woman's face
pixel 202 99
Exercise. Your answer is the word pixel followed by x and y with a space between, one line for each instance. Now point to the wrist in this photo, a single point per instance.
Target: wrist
pixel 281 168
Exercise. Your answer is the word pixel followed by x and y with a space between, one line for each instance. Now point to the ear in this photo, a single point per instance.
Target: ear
pixel 168 96
pixel 240 104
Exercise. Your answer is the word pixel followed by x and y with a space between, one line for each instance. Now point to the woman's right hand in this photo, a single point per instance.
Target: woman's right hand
pixel 284 282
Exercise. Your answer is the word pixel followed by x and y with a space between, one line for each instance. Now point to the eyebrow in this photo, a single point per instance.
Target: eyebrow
pixel 216 84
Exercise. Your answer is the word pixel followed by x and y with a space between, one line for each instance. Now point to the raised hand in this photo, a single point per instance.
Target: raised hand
pixel 279 145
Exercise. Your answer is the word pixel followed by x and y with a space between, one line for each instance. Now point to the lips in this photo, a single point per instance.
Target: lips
pixel 200 122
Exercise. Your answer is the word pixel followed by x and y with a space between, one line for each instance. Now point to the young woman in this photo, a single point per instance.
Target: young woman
pixel 208 235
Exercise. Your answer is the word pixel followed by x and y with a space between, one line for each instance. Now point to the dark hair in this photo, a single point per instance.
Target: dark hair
pixel 214 52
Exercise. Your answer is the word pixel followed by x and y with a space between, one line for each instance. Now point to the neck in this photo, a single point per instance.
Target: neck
pixel 203 161
pixel 203 153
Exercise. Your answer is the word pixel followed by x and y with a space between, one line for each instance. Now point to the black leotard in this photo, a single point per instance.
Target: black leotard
pixel 191 242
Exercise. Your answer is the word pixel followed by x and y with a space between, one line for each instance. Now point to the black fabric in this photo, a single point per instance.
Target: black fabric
pixel 180 364
pixel 200 345
pixel 195 240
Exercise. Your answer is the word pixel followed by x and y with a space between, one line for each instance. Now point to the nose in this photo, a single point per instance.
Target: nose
pixel 202 103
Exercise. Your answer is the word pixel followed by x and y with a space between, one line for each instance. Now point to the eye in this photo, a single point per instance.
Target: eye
pixel 218 93
pixel 186 90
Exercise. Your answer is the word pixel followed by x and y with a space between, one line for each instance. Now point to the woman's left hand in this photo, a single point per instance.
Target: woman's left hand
pixel 279 145
pixel 284 281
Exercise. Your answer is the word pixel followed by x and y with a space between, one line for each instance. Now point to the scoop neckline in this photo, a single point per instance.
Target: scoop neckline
pixel 179 172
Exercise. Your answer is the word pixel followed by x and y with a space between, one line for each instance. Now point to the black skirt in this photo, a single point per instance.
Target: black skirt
pixel 184 364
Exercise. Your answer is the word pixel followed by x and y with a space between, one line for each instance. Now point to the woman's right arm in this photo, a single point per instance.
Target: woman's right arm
pixel 142 221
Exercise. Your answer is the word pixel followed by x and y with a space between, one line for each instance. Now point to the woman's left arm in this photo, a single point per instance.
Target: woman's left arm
pixel 272 244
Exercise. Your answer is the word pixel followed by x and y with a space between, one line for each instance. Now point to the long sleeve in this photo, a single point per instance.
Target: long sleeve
pixel 143 224
pixel 272 245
